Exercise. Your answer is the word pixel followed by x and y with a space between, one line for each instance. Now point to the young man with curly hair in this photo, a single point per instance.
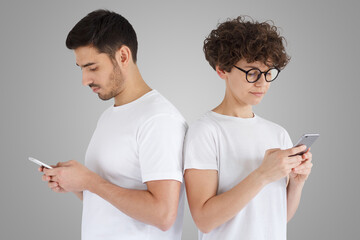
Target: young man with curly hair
pixel 242 178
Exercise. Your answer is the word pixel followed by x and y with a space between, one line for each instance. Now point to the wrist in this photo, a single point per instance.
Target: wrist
pixel 93 180
pixel 261 177
pixel 296 184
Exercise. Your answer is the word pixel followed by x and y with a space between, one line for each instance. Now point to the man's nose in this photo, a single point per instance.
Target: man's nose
pixel 86 81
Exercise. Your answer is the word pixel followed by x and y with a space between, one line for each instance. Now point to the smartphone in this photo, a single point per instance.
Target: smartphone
pixel 307 140
pixel 39 162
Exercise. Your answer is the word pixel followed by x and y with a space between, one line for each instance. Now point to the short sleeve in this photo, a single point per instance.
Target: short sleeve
pixel 160 144
pixel 200 147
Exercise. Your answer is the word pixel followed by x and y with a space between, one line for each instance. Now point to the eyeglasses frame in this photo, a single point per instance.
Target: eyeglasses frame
pixel 258 77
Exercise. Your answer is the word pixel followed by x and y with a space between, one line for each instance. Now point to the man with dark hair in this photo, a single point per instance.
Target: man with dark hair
pixel 131 184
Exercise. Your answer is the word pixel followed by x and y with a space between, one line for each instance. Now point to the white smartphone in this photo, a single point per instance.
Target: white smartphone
pixel 39 162
pixel 307 139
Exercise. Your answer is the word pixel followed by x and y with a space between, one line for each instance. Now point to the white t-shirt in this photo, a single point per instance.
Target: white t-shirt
pixel 235 147
pixel 134 143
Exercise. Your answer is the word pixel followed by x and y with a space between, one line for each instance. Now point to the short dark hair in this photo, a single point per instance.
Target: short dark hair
pixel 106 31
pixel 238 38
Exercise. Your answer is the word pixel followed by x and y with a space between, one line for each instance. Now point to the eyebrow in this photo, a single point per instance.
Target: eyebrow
pixel 85 65
pixel 251 66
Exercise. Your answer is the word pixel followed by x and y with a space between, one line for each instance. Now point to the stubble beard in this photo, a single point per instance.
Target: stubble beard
pixel 116 83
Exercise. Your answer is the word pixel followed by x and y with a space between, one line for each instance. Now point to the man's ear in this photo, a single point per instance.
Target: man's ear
pixel 123 56
pixel 221 73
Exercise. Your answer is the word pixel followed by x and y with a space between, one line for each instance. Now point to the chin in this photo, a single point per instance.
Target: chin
pixel 105 98
pixel 255 102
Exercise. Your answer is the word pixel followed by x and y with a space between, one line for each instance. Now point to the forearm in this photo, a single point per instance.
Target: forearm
pixel 221 208
pixel 138 204
pixel 293 198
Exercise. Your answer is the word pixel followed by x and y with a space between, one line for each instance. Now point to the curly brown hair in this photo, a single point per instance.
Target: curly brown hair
pixel 238 38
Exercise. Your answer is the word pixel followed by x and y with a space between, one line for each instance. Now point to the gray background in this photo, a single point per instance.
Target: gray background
pixel 48 114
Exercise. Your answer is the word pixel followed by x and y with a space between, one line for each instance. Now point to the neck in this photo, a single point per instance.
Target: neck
pixel 134 88
pixel 234 107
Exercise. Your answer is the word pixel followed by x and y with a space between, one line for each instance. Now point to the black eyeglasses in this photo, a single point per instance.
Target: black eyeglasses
pixel 254 74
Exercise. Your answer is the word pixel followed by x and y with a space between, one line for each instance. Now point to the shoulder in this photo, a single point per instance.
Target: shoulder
pixel 272 125
pixel 277 130
pixel 157 114
pixel 157 106
pixel 204 126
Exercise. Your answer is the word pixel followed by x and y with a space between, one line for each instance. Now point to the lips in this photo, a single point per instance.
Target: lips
pixel 95 89
pixel 258 94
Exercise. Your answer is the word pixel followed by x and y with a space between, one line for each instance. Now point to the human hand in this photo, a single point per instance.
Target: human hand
pixel 300 174
pixel 68 176
pixel 277 163
pixel 51 184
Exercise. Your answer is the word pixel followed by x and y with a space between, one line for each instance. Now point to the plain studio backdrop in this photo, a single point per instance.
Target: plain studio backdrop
pixel 46 112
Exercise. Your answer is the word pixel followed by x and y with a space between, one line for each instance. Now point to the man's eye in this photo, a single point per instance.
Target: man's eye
pixel 93 69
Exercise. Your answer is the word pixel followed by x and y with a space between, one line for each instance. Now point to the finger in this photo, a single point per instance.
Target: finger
pixel 40 169
pixel 68 163
pixel 295 150
pixel 303 171
pixel 307 165
pixel 59 164
pixel 62 164
pixel 46 178
pixel 295 159
pixel 303 162
pixel 308 156
pixel 54 179
pixel 51 172
pixel 294 164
